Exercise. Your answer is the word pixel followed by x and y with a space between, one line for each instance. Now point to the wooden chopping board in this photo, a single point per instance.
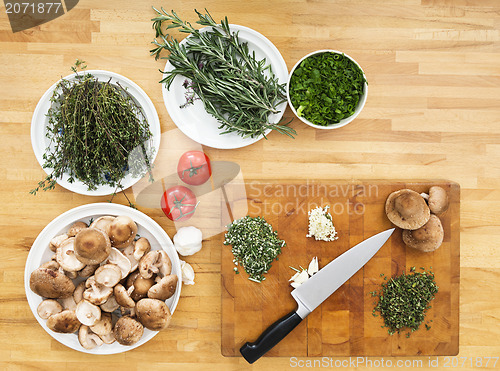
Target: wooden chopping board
pixel 344 324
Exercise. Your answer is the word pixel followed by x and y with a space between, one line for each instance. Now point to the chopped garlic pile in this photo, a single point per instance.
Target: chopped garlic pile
pixel 302 276
pixel 321 225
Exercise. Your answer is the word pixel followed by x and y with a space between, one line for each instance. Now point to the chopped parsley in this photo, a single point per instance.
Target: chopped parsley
pixel 255 245
pixel 326 88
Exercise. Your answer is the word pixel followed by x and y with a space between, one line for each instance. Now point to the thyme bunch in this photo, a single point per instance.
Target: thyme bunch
pixel 235 87
pixel 97 133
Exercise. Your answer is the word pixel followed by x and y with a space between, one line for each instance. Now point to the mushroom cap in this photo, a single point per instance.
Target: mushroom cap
pixel 48 307
pixel 438 200
pixel 65 256
pixel 104 325
pixel 56 241
pixel 122 297
pixel 141 247
pixel 121 231
pixel 128 331
pixel 88 339
pixel 110 305
pixel 156 261
pixel 68 303
pixel 87 313
pixel 75 228
pixel 108 338
pixel 129 254
pixel 78 293
pixel 427 238
pixel 51 284
pixel 102 222
pixel 92 246
pixel 108 275
pixel 119 259
pixel 88 270
pixel 96 293
pixel 141 287
pixel 165 288
pixel 407 209
pixel 154 314
pixel 64 322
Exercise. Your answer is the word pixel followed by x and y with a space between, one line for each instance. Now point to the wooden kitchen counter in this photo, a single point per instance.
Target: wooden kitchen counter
pixel 433 112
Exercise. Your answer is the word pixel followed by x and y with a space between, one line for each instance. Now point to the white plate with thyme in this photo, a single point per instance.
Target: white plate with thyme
pixel 41 143
pixel 192 118
pixel 41 253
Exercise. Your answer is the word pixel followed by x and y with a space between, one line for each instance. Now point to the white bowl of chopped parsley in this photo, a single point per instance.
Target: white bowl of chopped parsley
pixel 327 89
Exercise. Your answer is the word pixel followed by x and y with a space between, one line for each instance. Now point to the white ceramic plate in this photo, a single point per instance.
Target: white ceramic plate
pixel 39 123
pixel 41 253
pixel 200 126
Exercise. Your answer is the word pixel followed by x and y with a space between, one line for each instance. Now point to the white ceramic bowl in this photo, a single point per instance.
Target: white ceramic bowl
pixel 41 253
pixel 342 122
pixel 40 142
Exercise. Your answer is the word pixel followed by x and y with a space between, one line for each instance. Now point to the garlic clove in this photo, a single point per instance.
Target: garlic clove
pixel 313 266
pixel 295 284
pixel 187 273
pixel 294 277
pixel 302 277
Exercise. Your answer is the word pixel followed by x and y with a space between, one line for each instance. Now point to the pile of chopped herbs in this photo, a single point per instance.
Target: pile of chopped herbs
pixel 255 245
pixel 404 300
pixel 237 89
pixel 326 88
pixel 98 133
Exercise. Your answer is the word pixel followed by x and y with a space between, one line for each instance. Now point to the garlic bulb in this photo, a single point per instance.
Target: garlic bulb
pixel 187 273
pixel 187 241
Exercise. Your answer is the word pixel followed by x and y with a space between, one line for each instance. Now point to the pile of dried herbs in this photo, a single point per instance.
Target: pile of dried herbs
pixel 404 300
pixel 98 133
pixel 236 88
pixel 255 245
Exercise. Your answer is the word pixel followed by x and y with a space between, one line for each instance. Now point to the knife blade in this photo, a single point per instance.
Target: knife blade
pixel 314 291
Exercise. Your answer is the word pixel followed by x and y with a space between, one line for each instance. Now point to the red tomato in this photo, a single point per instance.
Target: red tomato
pixel 178 203
pixel 194 168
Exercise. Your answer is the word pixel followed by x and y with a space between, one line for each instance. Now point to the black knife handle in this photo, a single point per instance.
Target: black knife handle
pixel 270 337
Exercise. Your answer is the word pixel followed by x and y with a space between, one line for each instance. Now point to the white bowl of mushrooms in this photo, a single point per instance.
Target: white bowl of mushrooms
pixel 103 278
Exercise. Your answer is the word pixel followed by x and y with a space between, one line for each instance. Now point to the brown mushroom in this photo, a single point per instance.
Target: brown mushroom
pixel 68 303
pixel 141 247
pixel 48 308
pixel 164 289
pixel 56 241
pixel 92 246
pixel 110 305
pixel 139 286
pixel 95 292
pixel 78 293
pixel 88 270
pixel 88 339
pixel 156 261
pixel 51 284
pixel 75 228
pixel 64 322
pixel 437 200
pixel 121 231
pixel 154 314
pixel 65 256
pixel 104 325
pixel 407 209
pixel 108 275
pixel 117 258
pixel 122 297
pixel 128 331
pixel 427 238
pixel 87 313
pixel 51 264
pixel 102 222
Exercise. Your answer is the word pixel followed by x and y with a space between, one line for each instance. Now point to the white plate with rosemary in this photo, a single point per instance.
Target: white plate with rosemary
pixel 41 143
pixel 41 253
pixel 193 120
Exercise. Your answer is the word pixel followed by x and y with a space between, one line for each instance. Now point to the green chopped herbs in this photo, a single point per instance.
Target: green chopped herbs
pixel 236 88
pixel 404 300
pixel 255 245
pixel 98 133
pixel 326 88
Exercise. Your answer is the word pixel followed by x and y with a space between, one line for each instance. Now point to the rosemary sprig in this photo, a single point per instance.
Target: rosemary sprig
pixel 235 87
pixel 97 134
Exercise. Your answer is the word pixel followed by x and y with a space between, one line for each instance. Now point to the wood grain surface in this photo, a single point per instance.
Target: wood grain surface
pixel 432 113
pixel 344 324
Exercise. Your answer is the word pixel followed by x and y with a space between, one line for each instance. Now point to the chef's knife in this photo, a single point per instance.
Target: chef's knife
pixel 314 291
